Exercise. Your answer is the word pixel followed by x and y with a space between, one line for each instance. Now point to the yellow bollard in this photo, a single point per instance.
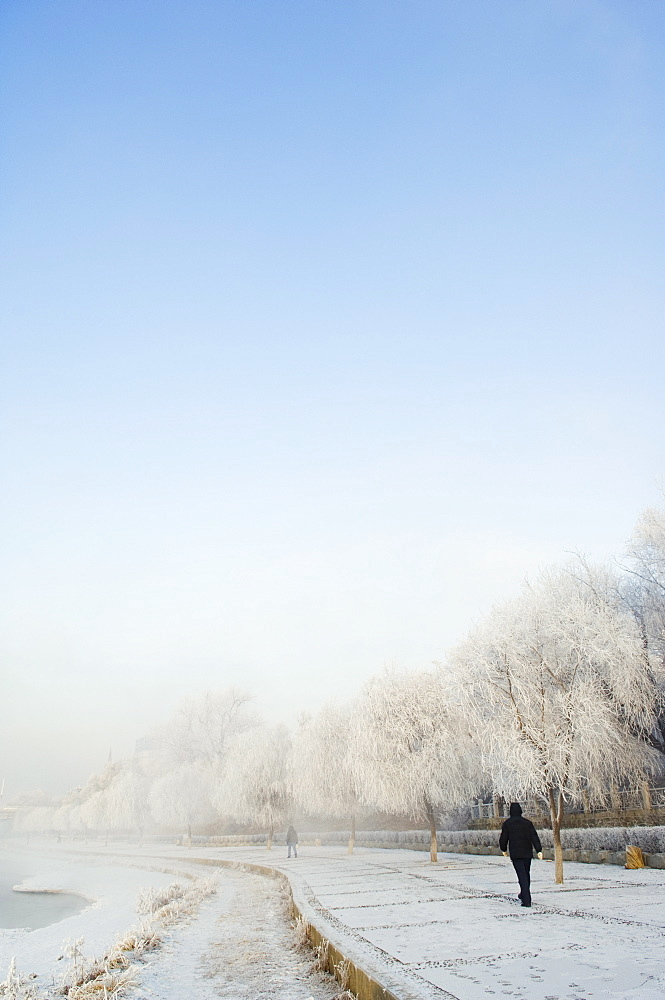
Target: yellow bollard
pixel 635 857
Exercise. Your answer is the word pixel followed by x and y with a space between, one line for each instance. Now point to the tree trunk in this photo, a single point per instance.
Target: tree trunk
pixel 269 843
pixel 646 797
pixel 431 819
pixel 556 816
pixel 352 838
pixel 497 802
pixel 189 835
pixel 615 797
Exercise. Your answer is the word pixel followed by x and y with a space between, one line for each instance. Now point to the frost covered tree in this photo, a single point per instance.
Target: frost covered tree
pixel 183 797
pixel 34 812
pixel 67 818
pixel 34 819
pixel 556 689
pixel 634 596
pixel 127 800
pixel 95 804
pixel 323 778
pixel 96 814
pixel 255 783
pixel 644 584
pixel 411 751
pixel 203 729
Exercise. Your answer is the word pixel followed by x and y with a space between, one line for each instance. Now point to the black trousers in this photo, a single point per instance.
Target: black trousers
pixel 523 868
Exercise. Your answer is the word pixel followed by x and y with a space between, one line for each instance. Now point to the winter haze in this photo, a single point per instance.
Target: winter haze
pixel 324 325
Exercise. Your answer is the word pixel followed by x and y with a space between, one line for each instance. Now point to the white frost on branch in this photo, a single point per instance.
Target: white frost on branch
pixel 559 692
pixel 255 784
pixel 323 779
pixel 412 754
pixel 644 584
pixel 202 730
pixel 183 797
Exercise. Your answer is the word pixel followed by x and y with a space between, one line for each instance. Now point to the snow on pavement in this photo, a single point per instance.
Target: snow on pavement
pixel 456 929
pixel 451 930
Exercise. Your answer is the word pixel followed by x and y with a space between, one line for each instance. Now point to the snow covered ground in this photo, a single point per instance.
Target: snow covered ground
pixel 457 929
pixel 239 944
pixel 426 931
pixel 242 946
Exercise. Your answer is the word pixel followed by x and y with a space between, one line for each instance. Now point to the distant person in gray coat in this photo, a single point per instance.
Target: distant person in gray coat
pixel 292 842
pixel 519 836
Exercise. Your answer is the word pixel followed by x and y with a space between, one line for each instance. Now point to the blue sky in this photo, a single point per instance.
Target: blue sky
pixel 324 324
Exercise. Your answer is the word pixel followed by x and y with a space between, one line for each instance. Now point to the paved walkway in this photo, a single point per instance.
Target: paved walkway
pixel 456 929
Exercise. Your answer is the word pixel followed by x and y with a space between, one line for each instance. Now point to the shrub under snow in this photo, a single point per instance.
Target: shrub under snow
pixel 612 838
pixel 176 902
pixel 17 986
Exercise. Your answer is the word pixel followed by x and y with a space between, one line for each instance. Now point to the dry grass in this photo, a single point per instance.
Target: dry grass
pixel 321 957
pixel 342 972
pixel 149 901
pixel 17 986
pixel 111 983
pixel 114 973
pixel 176 902
pixel 300 928
pixel 138 940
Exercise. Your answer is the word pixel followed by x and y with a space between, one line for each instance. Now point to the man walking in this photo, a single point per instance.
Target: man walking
pixel 292 842
pixel 519 836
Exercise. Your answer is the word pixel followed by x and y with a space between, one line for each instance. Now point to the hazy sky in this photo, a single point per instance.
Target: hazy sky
pixel 324 323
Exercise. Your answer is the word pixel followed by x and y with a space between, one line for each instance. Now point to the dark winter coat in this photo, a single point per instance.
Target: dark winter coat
pixel 519 836
pixel 291 836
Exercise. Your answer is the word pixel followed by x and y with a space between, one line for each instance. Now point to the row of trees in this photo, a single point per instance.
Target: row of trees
pixel 555 694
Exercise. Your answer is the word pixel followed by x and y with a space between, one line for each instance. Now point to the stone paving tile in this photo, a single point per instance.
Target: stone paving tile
pixel 413 912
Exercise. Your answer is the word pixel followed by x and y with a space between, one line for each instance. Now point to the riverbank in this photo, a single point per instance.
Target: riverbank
pixel 424 931
pixel 238 944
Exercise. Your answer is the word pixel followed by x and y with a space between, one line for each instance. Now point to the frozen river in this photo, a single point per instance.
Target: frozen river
pixel 32 909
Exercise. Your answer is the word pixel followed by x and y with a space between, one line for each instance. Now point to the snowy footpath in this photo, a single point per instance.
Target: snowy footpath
pixel 424 931
pixel 456 928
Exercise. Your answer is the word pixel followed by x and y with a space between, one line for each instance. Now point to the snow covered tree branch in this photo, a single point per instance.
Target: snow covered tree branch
pixel 411 750
pixel 324 781
pixel 255 782
pixel 557 691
